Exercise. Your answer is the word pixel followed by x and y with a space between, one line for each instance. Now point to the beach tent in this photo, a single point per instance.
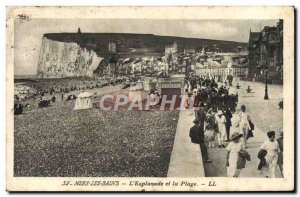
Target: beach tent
pixel 83 101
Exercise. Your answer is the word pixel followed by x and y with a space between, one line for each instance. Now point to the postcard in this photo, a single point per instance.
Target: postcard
pixel 152 99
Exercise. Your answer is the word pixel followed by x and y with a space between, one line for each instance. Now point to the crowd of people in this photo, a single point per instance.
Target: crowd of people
pixel 206 91
pixel 47 93
pixel 214 107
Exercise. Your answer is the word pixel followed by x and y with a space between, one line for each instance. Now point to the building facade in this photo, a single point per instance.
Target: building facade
pixel 266 52
pixel 170 49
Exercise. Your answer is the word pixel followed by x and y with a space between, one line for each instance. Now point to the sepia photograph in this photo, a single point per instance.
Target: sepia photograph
pixel 140 102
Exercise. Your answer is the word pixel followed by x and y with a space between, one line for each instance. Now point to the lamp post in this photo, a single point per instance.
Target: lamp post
pixel 266 97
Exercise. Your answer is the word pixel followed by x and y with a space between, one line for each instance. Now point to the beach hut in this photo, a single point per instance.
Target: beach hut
pixel 83 101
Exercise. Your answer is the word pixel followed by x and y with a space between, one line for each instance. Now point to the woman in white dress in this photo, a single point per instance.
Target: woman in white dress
pixel 221 134
pixel 272 148
pixel 233 149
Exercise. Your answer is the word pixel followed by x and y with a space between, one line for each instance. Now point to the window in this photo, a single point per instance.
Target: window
pixel 272 51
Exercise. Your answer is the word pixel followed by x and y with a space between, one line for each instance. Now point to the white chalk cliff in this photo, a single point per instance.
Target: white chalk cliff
pixel 65 59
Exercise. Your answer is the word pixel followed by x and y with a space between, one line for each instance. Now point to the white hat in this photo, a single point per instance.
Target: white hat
pixel 220 112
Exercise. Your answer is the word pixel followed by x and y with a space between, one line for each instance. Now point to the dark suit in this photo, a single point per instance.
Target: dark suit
pixel 201 116
pixel 261 156
pixel 228 117
pixel 197 137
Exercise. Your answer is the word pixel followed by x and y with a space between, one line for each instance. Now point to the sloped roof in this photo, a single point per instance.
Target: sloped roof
pixel 85 95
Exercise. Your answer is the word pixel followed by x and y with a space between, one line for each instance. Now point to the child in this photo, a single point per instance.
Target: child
pixel 272 148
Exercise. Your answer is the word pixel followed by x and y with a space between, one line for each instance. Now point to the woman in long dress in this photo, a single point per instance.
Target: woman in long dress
pixel 221 135
pixel 233 149
pixel 209 129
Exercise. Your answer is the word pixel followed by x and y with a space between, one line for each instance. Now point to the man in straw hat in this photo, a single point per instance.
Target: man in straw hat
pixel 197 137
pixel 243 123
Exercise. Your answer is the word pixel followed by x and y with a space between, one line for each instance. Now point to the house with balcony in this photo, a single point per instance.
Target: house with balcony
pixel 266 53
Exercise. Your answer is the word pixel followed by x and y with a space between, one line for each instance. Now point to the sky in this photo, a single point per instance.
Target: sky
pixel 29 33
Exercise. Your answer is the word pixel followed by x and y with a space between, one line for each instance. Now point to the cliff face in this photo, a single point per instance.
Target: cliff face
pixel 66 59
pixel 99 42
pixel 78 54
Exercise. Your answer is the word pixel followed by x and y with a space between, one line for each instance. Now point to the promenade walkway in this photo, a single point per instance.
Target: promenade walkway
pixel 265 116
pixel 186 158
